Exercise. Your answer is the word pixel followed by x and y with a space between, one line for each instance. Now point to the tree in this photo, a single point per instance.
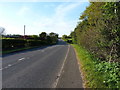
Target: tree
pixel 74 37
pixel 43 36
pixel 54 37
pixel 99 30
pixel 35 37
pixel 64 37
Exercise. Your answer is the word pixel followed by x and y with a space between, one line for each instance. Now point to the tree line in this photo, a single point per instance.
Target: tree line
pixel 10 42
pixel 99 30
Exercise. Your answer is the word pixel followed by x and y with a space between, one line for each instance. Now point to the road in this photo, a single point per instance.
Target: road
pixel 46 67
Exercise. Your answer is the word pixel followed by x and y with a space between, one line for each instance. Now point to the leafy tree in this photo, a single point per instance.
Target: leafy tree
pixel 43 36
pixel 99 30
pixel 54 37
pixel 35 37
pixel 64 37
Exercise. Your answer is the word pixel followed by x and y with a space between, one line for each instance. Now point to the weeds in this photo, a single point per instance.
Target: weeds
pixel 98 74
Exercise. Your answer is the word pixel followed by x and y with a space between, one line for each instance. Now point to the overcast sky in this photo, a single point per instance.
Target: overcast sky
pixel 58 17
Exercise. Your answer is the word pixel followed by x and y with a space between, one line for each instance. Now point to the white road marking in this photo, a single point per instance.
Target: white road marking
pixel 21 59
pixel 9 65
pixel 59 74
pixel 6 67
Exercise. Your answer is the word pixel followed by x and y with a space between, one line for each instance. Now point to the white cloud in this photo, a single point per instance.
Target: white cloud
pixel 64 9
pixel 23 11
pixel 58 23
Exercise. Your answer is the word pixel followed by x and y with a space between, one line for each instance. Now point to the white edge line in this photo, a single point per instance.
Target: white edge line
pixel 56 82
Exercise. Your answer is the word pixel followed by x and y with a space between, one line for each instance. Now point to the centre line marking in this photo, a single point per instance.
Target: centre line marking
pixel 9 65
pixel 21 59
pixel 59 74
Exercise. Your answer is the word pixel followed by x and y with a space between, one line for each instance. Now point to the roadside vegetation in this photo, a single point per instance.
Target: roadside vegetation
pixel 97 74
pixel 11 43
pixel 68 39
pixel 96 39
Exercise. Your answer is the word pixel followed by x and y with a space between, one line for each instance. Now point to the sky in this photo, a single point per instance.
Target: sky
pixel 58 17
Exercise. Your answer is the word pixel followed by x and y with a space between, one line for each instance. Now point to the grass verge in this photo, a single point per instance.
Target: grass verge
pixel 91 78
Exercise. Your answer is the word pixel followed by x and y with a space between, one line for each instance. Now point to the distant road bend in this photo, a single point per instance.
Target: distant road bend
pixel 46 67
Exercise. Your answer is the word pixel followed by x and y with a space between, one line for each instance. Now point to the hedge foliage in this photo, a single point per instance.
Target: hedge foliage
pixel 9 44
pixel 99 30
pixel 13 43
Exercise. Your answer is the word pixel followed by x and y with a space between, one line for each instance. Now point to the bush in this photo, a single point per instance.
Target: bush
pixel 9 44
pixel 111 73
pixel 98 74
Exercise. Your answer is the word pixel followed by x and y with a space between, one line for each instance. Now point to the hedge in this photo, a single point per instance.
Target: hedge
pixel 12 43
pixel 8 44
pixel 34 43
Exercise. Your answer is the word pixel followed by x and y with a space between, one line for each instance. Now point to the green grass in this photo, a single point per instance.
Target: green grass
pixel 92 78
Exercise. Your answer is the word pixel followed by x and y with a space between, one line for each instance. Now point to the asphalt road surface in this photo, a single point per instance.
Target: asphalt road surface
pixel 46 67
